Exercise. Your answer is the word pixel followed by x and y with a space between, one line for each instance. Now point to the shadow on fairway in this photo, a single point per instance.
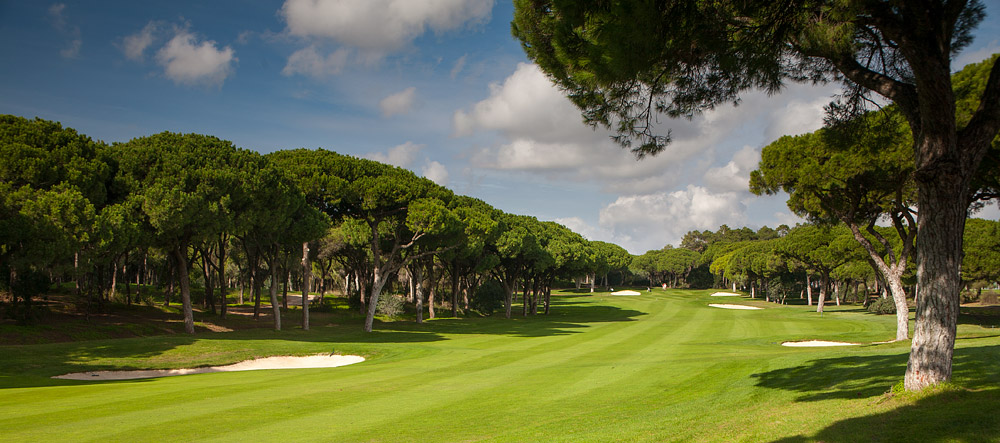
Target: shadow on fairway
pixel 566 317
pixel 873 375
pixel 32 365
pixel 944 416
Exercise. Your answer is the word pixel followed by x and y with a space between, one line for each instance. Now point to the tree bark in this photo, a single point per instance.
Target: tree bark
pixel 941 226
pixel 180 255
pixel 418 290
pixel 809 291
pixel 306 274
pixel 275 307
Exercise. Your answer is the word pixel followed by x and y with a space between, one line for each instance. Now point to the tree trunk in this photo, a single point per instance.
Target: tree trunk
pixel 418 290
pixel 180 255
pixel 377 285
pixel 508 292
pixel 306 274
pixel 941 225
pixel 275 307
pixel 822 294
pixel 432 290
pixel 454 292
pixel 809 291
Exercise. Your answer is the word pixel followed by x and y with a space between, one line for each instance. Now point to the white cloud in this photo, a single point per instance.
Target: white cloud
pixel 61 24
pixel 663 218
pixel 380 25
pixel 134 46
pixel 436 172
pixel 797 116
pixel 309 61
pixel 186 61
pixel 398 103
pixel 970 55
pixel 401 155
pixel 735 175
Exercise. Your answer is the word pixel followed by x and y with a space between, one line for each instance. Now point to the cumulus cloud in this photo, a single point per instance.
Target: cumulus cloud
pixel 380 25
pixel 308 61
pixel 187 61
pixel 57 14
pixel 134 45
pixel 436 172
pixel 398 103
pixel 735 175
pixel 664 218
pixel 401 155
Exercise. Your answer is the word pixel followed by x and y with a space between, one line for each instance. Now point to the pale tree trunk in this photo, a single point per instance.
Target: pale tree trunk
pixel 182 276
pixel 822 295
pixel 275 307
pixel 306 275
pixel 377 285
pixel 418 291
pixel 592 276
pixel 892 275
pixel 431 290
pixel 809 291
pixel 114 280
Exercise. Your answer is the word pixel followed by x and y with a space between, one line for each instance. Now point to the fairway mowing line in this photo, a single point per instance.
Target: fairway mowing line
pixel 312 361
pixel 726 306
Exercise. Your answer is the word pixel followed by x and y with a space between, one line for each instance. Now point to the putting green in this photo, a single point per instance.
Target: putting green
pixel 662 366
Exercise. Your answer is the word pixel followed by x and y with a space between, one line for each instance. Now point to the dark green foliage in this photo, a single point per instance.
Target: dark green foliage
pixel 882 306
pixel 487 298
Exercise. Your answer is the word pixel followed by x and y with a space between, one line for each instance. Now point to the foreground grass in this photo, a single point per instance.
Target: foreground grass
pixel 657 367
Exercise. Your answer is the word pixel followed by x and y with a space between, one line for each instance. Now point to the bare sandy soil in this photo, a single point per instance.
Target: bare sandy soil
pixel 727 306
pixel 312 361
pixel 816 343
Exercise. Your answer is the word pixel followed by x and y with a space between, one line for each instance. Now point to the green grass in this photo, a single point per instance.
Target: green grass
pixel 657 367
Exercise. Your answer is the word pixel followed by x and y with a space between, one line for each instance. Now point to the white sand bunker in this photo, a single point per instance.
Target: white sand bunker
pixel 816 343
pixel 312 361
pixel 626 293
pixel 726 306
pixel 726 294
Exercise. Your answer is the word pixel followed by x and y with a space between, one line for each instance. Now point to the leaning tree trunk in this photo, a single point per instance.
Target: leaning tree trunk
pixel 181 257
pixel 941 226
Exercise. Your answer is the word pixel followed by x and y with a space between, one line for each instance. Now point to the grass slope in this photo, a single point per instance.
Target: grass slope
pixel 662 366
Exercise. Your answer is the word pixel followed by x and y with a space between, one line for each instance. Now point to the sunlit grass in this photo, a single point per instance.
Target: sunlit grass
pixel 662 366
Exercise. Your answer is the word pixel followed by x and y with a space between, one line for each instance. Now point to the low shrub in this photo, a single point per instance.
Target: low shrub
pixel 882 306
pixel 390 305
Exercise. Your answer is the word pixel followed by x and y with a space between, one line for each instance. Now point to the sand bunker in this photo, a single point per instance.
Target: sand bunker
pixel 816 343
pixel 312 361
pixel 725 306
pixel 726 294
pixel 626 293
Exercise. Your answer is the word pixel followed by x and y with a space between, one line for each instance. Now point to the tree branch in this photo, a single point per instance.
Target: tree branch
pixel 975 138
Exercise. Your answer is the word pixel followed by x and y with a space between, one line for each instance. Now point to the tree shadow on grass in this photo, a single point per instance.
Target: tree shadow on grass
pixel 867 376
pixel 32 365
pixel 967 414
pixel 952 415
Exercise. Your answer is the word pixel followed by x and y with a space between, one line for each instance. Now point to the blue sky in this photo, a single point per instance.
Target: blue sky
pixel 436 86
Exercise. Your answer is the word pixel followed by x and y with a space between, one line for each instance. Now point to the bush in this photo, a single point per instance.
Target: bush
pixel 487 298
pixel 390 305
pixel 882 306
